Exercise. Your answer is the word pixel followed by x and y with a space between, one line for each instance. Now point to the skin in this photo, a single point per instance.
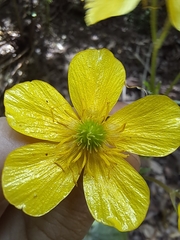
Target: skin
pixel 71 219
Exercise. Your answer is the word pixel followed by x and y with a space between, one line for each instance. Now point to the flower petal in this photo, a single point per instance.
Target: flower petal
pixel 173 7
pixel 178 212
pixel 116 195
pixel 35 179
pixel 36 109
pixel 96 79
pixel 98 10
pixel 149 126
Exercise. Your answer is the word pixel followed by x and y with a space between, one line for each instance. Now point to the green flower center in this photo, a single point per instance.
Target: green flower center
pixel 90 135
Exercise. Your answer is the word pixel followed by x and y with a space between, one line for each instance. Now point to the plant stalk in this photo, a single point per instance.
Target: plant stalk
pixel 174 82
pixel 157 44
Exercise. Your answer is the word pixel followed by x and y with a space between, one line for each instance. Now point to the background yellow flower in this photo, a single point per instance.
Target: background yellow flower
pixel 98 10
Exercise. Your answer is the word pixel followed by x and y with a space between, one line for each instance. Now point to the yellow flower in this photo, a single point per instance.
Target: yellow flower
pixel 178 212
pixel 173 7
pixel 37 177
pixel 98 10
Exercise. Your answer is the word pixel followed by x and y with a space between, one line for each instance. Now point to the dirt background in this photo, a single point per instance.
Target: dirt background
pixel 38 41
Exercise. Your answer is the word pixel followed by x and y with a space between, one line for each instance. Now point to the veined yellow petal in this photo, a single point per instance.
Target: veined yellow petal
pixel 173 7
pixel 38 110
pixel 149 126
pixel 116 195
pixel 35 178
pixel 98 10
pixel 178 212
pixel 96 79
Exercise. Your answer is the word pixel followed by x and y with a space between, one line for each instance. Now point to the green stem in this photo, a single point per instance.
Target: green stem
pixel 172 193
pixel 153 23
pixel 153 20
pixel 153 70
pixel 164 33
pixel 157 44
pixel 165 187
pixel 174 82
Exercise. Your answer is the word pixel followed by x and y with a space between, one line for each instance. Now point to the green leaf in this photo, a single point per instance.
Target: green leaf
pixel 99 231
pixel 144 171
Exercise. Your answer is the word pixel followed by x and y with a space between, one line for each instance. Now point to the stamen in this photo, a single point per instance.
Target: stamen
pixel 77 157
pixel 65 140
pixel 74 180
pixel 84 160
pixel 59 165
pixel 87 156
pixel 107 154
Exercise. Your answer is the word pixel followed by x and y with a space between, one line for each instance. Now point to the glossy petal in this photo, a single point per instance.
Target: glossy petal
pixel 36 109
pixel 98 10
pixel 173 7
pixel 116 195
pixel 178 212
pixel 149 127
pixel 96 79
pixel 35 179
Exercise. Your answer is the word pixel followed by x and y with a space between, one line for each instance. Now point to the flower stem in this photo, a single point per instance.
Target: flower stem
pixel 174 82
pixel 165 187
pixel 153 21
pixel 157 44
pixel 173 193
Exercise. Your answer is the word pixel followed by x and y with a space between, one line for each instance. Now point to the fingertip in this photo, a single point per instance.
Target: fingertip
pixel 10 140
pixel 134 160
pixel 117 107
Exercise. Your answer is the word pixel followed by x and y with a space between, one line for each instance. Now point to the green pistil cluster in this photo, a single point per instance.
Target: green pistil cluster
pixel 90 135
